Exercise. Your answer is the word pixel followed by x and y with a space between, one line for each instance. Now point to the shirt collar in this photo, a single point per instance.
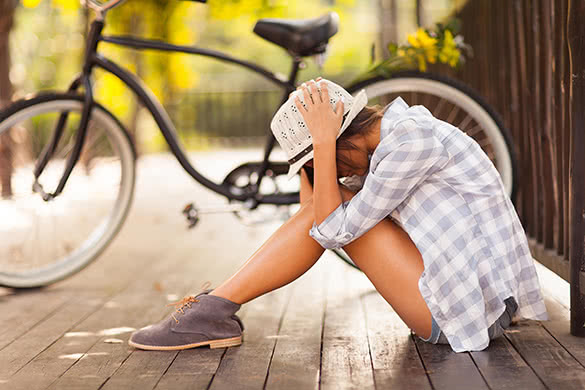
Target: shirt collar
pixel 395 108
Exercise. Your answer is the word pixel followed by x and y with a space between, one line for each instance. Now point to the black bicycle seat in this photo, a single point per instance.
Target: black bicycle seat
pixel 303 37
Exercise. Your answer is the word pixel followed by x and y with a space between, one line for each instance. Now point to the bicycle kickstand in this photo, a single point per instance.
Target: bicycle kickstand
pixel 192 213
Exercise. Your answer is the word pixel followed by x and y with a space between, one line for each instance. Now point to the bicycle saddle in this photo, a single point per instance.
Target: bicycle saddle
pixel 303 37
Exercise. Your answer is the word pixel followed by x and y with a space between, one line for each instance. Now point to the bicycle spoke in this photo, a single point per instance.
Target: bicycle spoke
pixel 474 130
pixel 453 114
pixel 426 101
pixel 438 108
pixel 65 151
pixel 484 143
pixel 463 124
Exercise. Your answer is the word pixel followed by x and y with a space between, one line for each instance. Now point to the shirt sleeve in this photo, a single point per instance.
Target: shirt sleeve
pixel 408 156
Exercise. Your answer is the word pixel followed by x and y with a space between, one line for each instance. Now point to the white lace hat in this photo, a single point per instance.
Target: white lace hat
pixel 291 131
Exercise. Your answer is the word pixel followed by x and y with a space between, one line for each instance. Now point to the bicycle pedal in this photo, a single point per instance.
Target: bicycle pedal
pixel 191 214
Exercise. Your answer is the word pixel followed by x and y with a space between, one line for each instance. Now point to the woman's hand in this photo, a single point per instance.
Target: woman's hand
pixel 322 121
pixel 299 87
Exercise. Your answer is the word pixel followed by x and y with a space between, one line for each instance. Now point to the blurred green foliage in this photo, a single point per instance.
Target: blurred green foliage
pixel 48 39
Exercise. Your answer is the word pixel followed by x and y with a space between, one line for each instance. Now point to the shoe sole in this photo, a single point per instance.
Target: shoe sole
pixel 222 343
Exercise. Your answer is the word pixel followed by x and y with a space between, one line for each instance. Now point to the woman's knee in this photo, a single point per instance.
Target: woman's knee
pixel 346 194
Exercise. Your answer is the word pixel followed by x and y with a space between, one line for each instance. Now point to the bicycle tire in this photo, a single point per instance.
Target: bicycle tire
pixel 454 92
pixel 48 105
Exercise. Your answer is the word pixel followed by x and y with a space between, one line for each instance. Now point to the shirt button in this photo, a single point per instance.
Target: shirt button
pixel 347 235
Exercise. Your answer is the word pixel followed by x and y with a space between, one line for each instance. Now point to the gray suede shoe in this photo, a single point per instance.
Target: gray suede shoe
pixel 199 320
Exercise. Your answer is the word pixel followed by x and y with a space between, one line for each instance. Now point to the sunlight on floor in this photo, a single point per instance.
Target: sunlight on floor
pixel 76 356
pixel 104 332
pixel 553 285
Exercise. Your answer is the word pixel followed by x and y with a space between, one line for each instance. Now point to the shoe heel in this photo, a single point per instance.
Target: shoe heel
pixel 232 342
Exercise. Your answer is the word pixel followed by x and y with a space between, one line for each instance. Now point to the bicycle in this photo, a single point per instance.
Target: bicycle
pixel 69 139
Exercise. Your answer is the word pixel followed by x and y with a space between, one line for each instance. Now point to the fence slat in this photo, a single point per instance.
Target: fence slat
pixel 527 67
pixel 576 40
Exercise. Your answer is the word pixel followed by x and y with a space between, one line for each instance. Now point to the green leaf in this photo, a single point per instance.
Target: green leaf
pixel 454 25
pixel 393 48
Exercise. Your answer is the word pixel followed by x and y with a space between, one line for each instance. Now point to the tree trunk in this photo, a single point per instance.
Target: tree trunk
pixel 6 162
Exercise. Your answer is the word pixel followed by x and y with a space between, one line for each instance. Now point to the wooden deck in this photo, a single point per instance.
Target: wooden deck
pixel 328 329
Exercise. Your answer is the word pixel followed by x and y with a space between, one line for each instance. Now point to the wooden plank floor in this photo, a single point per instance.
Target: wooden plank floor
pixel 328 329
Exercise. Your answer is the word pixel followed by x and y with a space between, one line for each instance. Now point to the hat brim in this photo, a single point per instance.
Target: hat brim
pixel 359 102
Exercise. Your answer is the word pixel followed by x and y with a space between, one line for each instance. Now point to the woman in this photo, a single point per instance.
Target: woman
pixel 429 223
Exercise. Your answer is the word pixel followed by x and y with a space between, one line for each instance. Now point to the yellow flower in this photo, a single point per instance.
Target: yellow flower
pixel 30 3
pixel 449 52
pixel 411 38
pixel 421 39
pixel 454 60
pixel 449 41
pixel 67 5
pixel 422 64
pixel 431 54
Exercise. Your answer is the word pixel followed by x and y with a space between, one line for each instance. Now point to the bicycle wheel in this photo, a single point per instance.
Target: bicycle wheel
pixel 42 242
pixel 455 103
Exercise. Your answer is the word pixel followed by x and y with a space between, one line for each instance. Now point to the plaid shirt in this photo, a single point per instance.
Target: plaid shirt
pixel 436 183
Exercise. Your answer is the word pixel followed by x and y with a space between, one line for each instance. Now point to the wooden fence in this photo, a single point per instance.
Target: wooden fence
pixel 229 116
pixel 529 62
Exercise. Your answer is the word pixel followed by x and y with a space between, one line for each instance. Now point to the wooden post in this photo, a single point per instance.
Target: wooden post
pixel 388 25
pixel 420 15
pixel 548 145
pixel 559 20
pixel 576 42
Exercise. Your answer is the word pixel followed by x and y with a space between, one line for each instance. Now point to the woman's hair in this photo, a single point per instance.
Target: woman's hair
pixel 362 124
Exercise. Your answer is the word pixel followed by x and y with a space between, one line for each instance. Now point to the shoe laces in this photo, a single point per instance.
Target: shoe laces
pixel 186 303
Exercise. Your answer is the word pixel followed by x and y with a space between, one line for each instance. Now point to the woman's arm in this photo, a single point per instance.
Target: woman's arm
pixel 326 196
pixel 323 124
pixel 406 159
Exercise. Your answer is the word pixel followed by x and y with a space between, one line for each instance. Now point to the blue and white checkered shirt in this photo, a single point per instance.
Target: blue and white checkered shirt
pixel 437 183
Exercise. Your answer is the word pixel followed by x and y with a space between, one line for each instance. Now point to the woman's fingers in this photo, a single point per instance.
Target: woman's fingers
pixel 308 100
pixel 325 92
pixel 339 108
pixel 301 86
pixel 315 92
pixel 300 106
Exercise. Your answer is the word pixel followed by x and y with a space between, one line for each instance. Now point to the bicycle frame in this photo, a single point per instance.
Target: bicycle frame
pixel 94 59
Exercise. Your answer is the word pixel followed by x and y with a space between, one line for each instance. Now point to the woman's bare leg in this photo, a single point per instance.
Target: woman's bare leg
pixel 392 262
pixel 385 254
pixel 286 255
